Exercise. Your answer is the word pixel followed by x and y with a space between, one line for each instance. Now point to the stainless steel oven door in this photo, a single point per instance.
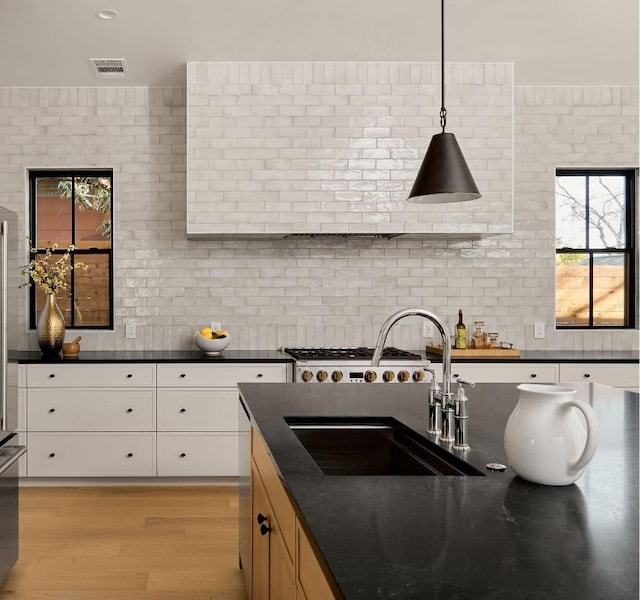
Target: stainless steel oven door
pixel 9 456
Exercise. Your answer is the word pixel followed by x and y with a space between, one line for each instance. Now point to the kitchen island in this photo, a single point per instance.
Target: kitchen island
pixel 493 536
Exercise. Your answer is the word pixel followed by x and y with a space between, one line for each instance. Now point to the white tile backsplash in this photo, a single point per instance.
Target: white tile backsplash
pixel 274 293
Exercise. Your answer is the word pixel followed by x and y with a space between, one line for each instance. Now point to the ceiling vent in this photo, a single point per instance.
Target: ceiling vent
pixel 109 68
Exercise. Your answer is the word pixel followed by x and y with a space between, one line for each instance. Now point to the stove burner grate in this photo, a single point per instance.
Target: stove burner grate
pixel 348 353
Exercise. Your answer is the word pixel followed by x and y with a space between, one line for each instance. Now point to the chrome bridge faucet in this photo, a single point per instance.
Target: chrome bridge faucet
pixel 448 416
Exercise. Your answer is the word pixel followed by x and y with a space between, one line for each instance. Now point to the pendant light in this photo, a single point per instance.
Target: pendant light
pixel 444 175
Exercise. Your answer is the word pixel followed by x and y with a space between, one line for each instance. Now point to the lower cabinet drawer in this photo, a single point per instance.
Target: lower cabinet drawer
pixel 506 373
pixel 91 409
pixel 198 454
pixel 620 375
pixel 195 409
pixel 91 455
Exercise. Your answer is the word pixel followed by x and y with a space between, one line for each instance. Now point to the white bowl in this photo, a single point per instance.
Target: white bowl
pixel 211 347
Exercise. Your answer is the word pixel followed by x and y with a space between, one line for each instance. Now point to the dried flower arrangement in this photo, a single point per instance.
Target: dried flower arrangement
pixel 49 275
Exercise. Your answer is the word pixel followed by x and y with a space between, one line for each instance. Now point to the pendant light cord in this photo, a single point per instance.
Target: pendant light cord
pixel 443 110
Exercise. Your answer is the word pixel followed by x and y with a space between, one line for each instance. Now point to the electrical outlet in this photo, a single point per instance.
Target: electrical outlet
pixel 130 331
pixel 427 329
pixel 538 330
pixel 215 325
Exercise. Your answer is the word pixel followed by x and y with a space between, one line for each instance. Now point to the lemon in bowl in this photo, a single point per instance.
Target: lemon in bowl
pixel 212 343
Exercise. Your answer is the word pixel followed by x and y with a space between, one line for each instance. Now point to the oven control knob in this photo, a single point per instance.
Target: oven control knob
pixel 370 376
pixel 322 375
pixel 307 376
pixel 336 376
pixel 388 376
pixel 418 375
pixel 403 376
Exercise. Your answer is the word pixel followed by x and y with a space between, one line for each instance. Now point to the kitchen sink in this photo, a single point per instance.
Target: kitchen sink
pixel 373 446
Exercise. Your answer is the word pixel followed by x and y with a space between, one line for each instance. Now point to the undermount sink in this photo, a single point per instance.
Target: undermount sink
pixel 373 446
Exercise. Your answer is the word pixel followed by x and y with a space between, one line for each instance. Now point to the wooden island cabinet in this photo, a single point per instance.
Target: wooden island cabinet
pixel 284 565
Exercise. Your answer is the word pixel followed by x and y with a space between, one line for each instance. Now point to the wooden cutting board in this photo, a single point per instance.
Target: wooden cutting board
pixel 478 352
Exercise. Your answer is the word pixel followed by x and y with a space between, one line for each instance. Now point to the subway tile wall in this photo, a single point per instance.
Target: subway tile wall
pixel 326 147
pixel 273 293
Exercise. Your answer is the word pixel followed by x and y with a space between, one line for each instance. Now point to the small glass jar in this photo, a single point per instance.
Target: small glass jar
pixel 479 337
pixel 493 340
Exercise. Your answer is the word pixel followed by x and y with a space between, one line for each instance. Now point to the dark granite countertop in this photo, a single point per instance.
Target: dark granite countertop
pixel 150 356
pixel 553 356
pixel 495 537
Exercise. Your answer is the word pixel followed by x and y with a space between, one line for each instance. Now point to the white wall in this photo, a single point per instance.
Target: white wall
pixel 273 293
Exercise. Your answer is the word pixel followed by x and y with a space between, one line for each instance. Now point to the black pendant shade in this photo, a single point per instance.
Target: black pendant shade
pixel 444 175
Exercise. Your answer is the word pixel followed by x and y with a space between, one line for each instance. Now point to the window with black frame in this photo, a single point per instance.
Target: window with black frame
pixel 74 209
pixel 595 255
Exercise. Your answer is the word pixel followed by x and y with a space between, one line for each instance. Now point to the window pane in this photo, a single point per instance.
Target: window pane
pixel 91 291
pixel 608 289
pixel 606 211
pixel 571 194
pixel 53 212
pixel 93 212
pixel 572 290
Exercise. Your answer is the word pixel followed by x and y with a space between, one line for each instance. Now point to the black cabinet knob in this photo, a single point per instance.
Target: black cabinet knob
pixel 264 529
pixel 261 518
pixel 52 410
pixel 259 375
pixel 182 454
pixel 130 454
pixel 587 375
pixel 52 375
pixel 534 375
pixel 129 375
pixel 129 410
pixel 183 375
pixel 52 455
pixel 182 410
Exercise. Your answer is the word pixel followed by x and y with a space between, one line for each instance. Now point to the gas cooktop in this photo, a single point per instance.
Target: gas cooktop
pixel 348 354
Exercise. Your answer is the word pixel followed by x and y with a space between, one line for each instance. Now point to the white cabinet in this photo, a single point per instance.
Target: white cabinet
pixel 616 374
pixel 98 454
pixel 506 372
pixel 90 420
pixel 197 406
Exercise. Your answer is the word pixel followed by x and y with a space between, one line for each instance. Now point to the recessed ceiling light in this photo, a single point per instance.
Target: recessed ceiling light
pixel 107 14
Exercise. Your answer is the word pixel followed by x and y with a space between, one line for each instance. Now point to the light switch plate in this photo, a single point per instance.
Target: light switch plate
pixel 538 330
pixel 130 331
pixel 427 329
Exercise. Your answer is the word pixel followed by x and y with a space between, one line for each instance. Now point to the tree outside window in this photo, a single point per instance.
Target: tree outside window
pixel 74 208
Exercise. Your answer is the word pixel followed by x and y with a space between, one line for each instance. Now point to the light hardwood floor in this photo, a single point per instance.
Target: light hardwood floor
pixel 127 543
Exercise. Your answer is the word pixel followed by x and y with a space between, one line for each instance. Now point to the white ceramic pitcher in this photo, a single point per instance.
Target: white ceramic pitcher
pixel 545 439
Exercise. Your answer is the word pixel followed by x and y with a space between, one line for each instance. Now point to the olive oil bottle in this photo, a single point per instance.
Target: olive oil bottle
pixel 461 332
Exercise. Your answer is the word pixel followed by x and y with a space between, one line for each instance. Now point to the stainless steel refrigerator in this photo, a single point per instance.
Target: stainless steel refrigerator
pixel 11 306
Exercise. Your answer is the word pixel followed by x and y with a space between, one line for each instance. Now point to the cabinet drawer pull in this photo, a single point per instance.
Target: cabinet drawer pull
pixel 52 375
pixel 52 410
pixel 587 375
pixel 182 454
pixel 259 375
pixel 129 410
pixel 183 375
pixel 264 529
pixel 52 455
pixel 129 375
pixel 261 518
pixel 456 374
pixel 534 375
pixel 183 410
pixel 129 455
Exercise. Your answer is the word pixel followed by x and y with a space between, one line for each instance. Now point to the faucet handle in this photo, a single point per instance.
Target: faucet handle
pixel 462 382
pixel 433 384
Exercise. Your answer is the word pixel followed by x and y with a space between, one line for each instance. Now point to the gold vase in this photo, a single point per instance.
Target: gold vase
pixel 51 327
